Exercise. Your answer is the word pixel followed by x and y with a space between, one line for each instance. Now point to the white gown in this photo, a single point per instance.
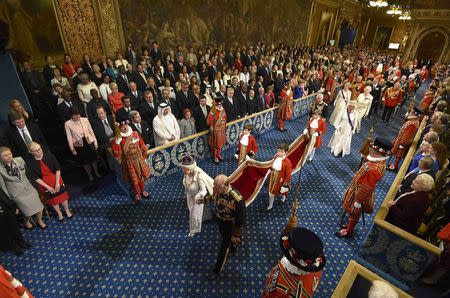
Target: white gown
pixel 342 138
pixel 363 103
pixel 340 105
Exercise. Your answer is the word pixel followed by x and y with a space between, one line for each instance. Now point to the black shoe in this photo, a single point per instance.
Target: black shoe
pixel 220 158
pixel 19 252
pixel 284 129
pixel 267 210
pixel 212 275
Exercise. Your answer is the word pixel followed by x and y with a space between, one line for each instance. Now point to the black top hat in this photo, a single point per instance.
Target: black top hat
pixel 218 99
pixel 123 122
pixel 303 249
pixel 382 145
pixel 418 111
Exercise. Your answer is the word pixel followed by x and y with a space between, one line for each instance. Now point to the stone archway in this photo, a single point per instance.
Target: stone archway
pixel 432 42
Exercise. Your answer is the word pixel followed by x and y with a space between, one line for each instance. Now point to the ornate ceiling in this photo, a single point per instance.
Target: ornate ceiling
pixel 419 4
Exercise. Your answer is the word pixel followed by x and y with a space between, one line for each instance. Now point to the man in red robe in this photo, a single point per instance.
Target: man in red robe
pixel 217 122
pixel 280 176
pixel 427 99
pixel 132 151
pixel 299 272
pixel 405 137
pixel 330 87
pixel 285 109
pixel 315 128
pixel 247 146
pixel 359 196
pixel 391 98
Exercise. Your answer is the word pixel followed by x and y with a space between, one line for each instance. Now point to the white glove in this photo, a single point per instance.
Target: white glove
pixel 401 147
pixel 247 157
pixel 329 93
pixel 118 140
pixel 357 205
pixel 316 134
pixel 236 156
pixel 284 189
pixel 305 131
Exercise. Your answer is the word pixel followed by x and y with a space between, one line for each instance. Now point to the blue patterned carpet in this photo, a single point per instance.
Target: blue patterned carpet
pixel 113 248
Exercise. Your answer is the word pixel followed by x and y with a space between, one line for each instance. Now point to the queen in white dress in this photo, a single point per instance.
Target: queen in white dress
pixel 340 104
pixel 342 138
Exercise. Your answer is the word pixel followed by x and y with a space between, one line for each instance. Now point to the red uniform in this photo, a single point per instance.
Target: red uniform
pixel 404 139
pixel 10 287
pixel 285 109
pixel 392 97
pixel 330 88
pixel 217 122
pixel 250 149
pixel 321 129
pixel 279 178
pixel 423 74
pixel 133 152
pixel 282 283
pixel 426 100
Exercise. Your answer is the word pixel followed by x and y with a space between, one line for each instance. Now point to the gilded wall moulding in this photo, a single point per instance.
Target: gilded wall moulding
pixel 78 27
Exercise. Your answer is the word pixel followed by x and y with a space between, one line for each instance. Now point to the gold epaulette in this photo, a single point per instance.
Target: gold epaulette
pixel 235 195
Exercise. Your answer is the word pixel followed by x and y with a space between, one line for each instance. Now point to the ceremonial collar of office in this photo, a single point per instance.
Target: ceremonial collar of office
pixel 291 268
pixel 126 134
pixel 375 159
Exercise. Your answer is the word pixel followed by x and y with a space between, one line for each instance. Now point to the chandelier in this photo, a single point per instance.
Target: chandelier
pixel 395 10
pixel 405 16
pixel 378 3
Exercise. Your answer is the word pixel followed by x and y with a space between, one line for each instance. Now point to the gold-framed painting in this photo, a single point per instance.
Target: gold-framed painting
pixel 382 37
pixel 33 30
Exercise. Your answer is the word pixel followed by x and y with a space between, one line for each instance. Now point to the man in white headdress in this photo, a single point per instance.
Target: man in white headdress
pixel 340 104
pixel 165 126
pixel 342 138
pixel 363 103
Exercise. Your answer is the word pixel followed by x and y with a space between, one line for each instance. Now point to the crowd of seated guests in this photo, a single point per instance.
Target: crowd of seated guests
pixel 422 204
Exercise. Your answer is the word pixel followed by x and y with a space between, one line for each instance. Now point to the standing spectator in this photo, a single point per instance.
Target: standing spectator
pixel 82 142
pixel 84 89
pixel 131 56
pixel 111 71
pixel 69 67
pixel 58 78
pixel 142 128
pixel 269 97
pixel 87 65
pixel 12 238
pixel 103 127
pixel 64 107
pixel 94 103
pixel 148 107
pixel 123 79
pixel 97 75
pixel 22 134
pixel 32 83
pixel 105 88
pixel 47 71
pixel 187 124
pixel 15 184
pixel 135 96
pixel 231 105
pixel 124 111
pixel 120 61
pixel 115 98
pixel 376 94
pixel 45 170
pixel 15 106
pixel 165 126
pixel 201 114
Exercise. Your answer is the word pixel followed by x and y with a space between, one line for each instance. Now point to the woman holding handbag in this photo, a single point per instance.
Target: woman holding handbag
pixel 82 142
pixel 45 170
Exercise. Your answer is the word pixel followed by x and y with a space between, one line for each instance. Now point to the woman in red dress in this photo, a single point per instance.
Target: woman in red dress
pixel 45 170
pixel 115 98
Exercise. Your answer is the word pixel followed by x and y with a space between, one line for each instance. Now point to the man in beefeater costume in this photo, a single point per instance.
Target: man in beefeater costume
pixel 280 176
pixel 405 137
pixel 285 109
pixel 315 128
pixel 299 271
pixel 247 146
pixel 131 149
pixel 359 196
pixel 217 122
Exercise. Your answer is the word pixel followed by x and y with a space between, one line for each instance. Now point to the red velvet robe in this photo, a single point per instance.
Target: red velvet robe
pixel 132 157
pixel 362 187
pixel 405 137
pixel 252 147
pixel 330 88
pixel 279 178
pixel 392 97
pixel 217 122
pixel 282 283
pixel 7 290
pixel 285 108
pixel 321 129
pixel 426 100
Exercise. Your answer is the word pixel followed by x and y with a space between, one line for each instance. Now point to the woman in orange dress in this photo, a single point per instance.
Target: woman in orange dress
pixel 45 170
pixel 115 98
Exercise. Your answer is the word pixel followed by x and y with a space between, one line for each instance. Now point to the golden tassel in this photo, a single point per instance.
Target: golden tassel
pixel 293 219
pixel 366 145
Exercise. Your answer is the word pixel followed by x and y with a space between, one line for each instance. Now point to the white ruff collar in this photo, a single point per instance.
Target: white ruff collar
pixel 291 268
pixel 244 140
pixel 126 134
pixel 375 159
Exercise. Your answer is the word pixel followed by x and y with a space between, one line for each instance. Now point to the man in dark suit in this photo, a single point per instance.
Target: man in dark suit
pixel 171 75
pixel 212 70
pixel 263 70
pixel 241 96
pixel 252 105
pixel 87 65
pixel 103 127
pixel 165 93
pixel 222 92
pixel 200 114
pixel 32 83
pixel 151 86
pixel 158 77
pixel 64 107
pixel 155 52
pixel 148 107
pixel 376 93
pixel 229 58
pixel 426 164
pixel 183 97
pixel 123 113
pixel 22 134
pixel 260 100
pixel 123 80
pixel 231 105
pixel 142 128
pixel 140 78
pixel 135 96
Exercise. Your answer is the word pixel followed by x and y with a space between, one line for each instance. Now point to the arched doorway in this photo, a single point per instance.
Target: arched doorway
pixel 431 46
